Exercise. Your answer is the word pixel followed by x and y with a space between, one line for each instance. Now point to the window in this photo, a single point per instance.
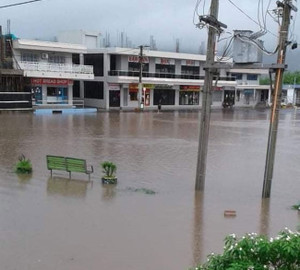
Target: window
pixel 58 59
pixel 189 98
pixel 165 68
pixel 113 62
pixel 76 59
pixel 133 66
pixel 164 96
pixel 29 57
pixel 190 70
pixel 97 61
pixel 251 77
pixel 238 76
pixel 133 95
pixel 76 89
pixel 93 90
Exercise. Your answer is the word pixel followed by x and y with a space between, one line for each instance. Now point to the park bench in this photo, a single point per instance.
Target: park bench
pixel 68 164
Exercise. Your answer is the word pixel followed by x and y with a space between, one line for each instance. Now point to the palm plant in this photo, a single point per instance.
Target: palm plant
pixel 109 169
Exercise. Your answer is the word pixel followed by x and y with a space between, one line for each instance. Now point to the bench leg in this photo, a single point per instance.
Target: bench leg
pixel 69 175
pixel 89 177
pixel 51 173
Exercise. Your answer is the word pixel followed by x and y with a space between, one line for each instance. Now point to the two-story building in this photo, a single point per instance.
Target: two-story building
pixel 50 70
pixel 248 92
pixel 173 79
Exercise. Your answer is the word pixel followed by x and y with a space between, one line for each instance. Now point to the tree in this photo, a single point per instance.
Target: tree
pixel 288 78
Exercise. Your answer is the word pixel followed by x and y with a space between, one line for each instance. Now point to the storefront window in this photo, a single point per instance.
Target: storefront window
pixel 57 94
pixel 164 96
pixel 133 95
pixel 188 98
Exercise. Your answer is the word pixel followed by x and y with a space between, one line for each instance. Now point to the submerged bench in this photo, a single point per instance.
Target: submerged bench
pixel 68 164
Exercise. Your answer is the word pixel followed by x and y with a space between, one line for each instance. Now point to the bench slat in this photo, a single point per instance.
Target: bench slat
pixel 56 163
pixel 68 164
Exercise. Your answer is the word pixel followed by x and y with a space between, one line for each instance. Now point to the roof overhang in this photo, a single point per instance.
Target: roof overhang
pixel 49 46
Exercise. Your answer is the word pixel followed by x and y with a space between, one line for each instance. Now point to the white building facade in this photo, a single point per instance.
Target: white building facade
pixel 51 70
pixel 175 80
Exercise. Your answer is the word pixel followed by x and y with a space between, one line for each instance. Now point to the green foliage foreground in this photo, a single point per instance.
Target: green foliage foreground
pixel 23 165
pixel 253 252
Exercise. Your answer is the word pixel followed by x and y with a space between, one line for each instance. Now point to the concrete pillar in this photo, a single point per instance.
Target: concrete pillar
pixel 70 95
pixel 176 96
pixel 177 66
pixel 44 94
pixel 121 96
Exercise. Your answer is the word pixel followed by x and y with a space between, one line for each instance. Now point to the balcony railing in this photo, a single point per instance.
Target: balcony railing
pixel 51 67
pixel 163 75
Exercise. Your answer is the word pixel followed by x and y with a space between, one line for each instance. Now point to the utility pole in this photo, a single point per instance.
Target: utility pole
pixel 215 25
pixel 286 6
pixel 140 77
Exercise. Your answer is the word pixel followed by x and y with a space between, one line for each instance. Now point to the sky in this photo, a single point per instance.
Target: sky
pixel 165 20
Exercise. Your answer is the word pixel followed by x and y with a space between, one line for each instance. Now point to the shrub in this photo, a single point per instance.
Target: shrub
pixel 253 252
pixel 296 206
pixel 109 169
pixel 23 165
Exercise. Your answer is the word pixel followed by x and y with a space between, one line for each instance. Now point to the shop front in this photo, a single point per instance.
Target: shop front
pixel 164 95
pixel 52 91
pixel 189 95
pixel 146 94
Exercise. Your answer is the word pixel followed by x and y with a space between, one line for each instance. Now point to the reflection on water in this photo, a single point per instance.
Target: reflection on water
pixel 265 217
pixel 108 192
pixel 24 177
pixel 73 225
pixel 67 187
pixel 198 237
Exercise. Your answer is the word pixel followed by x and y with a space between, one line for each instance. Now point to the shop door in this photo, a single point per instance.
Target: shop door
pixel 264 95
pixel 114 98
pixel 229 97
pixel 38 95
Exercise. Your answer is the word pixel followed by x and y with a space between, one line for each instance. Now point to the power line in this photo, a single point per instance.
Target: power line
pixel 19 4
pixel 231 2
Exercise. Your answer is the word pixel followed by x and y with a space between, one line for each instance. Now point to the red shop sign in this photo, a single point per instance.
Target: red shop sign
pixel 43 81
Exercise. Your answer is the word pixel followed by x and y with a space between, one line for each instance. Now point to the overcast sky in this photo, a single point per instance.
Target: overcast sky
pixel 166 20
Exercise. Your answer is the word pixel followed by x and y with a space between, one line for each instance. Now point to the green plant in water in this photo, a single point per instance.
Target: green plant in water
pixel 254 252
pixel 23 165
pixel 296 206
pixel 109 169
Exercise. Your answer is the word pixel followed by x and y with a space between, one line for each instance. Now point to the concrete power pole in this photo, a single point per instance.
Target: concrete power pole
pixel 140 77
pixel 287 6
pixel 206 95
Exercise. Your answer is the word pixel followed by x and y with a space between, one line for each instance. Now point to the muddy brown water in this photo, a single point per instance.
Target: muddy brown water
pixel 73 225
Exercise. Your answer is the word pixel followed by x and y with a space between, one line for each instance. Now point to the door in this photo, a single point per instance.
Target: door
pixel 114 98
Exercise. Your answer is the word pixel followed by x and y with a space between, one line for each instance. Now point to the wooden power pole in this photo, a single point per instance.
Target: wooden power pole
pixel 214 26
pixel 286 7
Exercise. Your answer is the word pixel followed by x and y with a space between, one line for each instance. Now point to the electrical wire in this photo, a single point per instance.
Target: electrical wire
pixel 257 23
pixel 19 4
pixel 262 48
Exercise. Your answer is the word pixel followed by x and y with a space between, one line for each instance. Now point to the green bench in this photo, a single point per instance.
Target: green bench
pixel 68 164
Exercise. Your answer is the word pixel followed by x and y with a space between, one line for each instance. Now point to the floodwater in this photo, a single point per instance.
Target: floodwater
pixel 57 224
